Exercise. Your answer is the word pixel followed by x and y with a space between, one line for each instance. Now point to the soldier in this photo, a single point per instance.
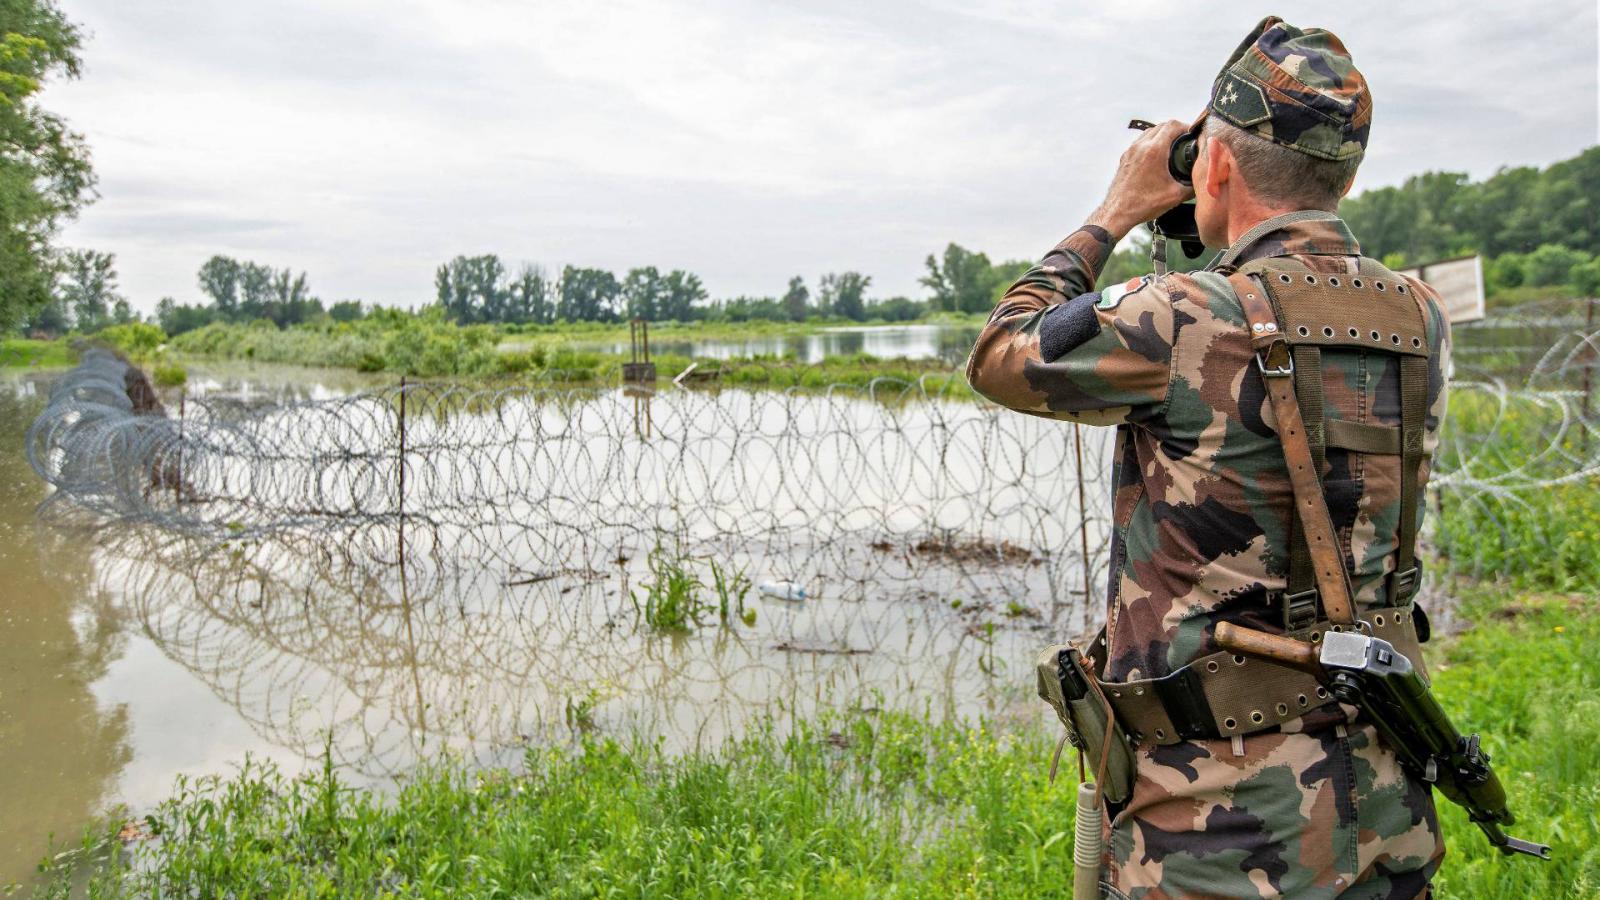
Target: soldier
pixel 1305 802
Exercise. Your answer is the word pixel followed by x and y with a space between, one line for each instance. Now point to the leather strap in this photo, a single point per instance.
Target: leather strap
pixel 1275 362
pixel 1308 391
pixel 1223 695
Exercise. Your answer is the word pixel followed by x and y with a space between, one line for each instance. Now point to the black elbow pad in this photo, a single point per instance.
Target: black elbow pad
pixel 1068 326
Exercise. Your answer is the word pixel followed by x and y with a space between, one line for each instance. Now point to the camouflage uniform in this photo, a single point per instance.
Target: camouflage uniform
pixel 1203 508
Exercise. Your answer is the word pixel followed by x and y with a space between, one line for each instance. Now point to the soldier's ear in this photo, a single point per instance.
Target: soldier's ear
pixel 1219 168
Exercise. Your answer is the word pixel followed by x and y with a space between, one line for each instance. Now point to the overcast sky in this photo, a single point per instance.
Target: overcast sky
pixel 366 141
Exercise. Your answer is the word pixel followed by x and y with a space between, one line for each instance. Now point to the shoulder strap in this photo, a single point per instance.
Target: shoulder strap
pixel 1261 230
pixel 1276 364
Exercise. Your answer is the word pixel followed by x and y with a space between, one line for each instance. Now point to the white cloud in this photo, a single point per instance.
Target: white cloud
pixel 366 142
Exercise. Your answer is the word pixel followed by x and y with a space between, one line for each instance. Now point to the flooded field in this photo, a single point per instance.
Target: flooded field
pixel 304 560
pixel 946 343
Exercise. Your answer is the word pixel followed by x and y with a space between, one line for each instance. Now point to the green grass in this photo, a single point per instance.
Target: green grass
pixel 883 805
pixel 22 353
pixel 672 599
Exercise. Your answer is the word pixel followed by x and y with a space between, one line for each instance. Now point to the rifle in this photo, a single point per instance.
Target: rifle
pixel 1369 674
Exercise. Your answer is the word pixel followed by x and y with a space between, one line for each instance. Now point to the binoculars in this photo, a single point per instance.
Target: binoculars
pixel 1178 223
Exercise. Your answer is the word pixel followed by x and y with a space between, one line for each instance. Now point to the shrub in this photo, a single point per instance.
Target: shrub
pixel 170 374
pixel 133 338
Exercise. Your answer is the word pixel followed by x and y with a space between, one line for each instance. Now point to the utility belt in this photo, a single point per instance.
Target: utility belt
pixel 1221 695
pixel 1225 694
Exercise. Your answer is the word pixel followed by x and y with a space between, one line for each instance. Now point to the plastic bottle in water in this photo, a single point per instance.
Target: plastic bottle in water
pixel 783 590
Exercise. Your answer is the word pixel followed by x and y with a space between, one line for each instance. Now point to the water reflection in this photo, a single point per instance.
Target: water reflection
pixel 60 746
pixel 292 593
pixel 947 343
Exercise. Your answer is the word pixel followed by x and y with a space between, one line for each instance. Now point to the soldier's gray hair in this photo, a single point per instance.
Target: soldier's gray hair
pixel 1281 176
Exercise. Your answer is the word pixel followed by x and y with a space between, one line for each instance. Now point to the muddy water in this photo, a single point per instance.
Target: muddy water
pixel 131 653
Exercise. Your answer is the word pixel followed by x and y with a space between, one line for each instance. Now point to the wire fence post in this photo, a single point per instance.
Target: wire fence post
pixel 177 482
pixel 400 480
pixel 1588 372
pixel 1083 524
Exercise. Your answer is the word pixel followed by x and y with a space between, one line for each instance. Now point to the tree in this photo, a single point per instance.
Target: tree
pixel 1552 264
pixel 643 293
pixel 247 291
pixel 88 287
pixel 530 297
pixel 797 299
pixel 472 288
pixel 587 295
pixel 844 294
pixel 45 176
pixel 683 293
pixel 346 311
pixel 962 281
pixel 1586 279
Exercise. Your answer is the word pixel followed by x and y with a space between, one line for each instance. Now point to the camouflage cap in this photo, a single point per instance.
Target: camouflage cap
pixel 1296 87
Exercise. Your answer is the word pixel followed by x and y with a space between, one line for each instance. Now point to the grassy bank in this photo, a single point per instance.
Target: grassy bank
pixel 872 805
pixel 24 353
pixel 427 346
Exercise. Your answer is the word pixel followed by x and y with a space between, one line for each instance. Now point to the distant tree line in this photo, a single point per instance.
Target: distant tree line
pixel 1536 227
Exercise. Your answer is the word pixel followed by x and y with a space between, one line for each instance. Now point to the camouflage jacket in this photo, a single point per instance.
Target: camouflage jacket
pixel 1318 807
pixel 1202 502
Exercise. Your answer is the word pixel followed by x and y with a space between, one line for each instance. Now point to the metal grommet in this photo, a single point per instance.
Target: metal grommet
pixel 1285 278
pixel 1272 327
pixel 1304 331
pixel 1379 285
pixel 1322 693
pixel 1257 717
pixel 1316 637
pixel 1400 288
pixel 1416 342
pixel 1161 735
pixel 1212 666
pixel 1138 692
pixel 1337 628
pixel 1327 331
pixel 1258 328
pixel 1303 700
pixel 1238 660
pixel 1376 336
pixel 1378 620
pixel 1311 279
pixel 1117 694
pixel 1354 333
pixel 1333 281
pixel 1355 282
pixel 1283 709
pixel 1230 723
pixel 1395 339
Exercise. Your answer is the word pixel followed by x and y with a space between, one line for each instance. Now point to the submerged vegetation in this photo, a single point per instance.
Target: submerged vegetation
pixel 869 804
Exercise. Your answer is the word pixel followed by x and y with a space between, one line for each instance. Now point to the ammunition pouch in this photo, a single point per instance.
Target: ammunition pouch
pixel 1225 695
pixel 1071 689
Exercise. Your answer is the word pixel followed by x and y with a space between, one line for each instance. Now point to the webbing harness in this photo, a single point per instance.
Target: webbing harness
pixel 1293 314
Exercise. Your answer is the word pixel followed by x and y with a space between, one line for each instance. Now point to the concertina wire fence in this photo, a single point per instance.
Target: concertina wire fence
pixel 447 563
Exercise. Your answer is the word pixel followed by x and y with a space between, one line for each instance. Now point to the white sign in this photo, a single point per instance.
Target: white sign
pixel 1459 283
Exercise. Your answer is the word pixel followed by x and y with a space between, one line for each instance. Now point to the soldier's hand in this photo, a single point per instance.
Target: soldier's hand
pixel 1142 188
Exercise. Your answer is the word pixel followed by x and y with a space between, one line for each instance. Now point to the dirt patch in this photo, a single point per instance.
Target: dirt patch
pixel 968 551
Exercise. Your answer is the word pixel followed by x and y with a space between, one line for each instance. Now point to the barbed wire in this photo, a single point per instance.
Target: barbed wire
pixel 426 566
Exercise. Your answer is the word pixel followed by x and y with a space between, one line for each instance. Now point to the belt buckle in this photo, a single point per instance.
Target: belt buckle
pixel 1401 586
pixel 1275 360
pixel 1300 610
